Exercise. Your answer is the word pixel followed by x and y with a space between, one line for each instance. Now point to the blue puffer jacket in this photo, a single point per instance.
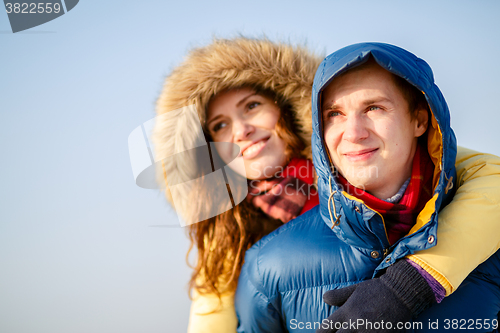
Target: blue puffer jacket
pixel 286 273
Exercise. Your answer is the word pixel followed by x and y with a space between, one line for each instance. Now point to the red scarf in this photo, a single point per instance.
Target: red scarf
pixel 289 194
pixel 400 217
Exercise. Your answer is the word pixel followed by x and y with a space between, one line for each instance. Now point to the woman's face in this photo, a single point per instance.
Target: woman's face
pixel 242 117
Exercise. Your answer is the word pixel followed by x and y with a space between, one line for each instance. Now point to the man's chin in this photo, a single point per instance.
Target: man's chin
pixel 361 175
pixel 360 185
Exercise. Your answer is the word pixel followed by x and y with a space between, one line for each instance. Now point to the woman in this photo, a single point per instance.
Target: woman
pixel 267 103
pixel 273 83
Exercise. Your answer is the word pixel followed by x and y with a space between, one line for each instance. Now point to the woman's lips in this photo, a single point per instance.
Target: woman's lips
pixel 254 149
pixel 361 155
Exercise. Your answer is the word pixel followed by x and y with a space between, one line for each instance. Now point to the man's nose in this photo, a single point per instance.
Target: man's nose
pixel 242 129
pixel 355 129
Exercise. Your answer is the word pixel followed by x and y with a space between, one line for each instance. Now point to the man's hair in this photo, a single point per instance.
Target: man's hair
pixel 414 97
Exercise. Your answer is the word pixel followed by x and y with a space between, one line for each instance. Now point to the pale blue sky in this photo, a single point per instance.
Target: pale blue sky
pixel 77 250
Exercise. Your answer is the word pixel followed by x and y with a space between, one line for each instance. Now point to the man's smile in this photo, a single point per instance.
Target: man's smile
pixel 360 155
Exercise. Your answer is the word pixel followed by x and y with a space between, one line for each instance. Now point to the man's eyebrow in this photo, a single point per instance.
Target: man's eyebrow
pixel 326 107
pixel 376 100
pixel 329 107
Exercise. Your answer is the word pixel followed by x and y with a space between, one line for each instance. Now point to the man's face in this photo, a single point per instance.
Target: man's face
pixel 369 131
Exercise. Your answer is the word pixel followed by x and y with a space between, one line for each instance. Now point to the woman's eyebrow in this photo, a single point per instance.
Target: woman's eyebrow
pixel 214 118
pixel 244 99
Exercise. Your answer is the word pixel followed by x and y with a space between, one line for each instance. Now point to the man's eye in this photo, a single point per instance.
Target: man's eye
pixel 373 108
pixel 333 114
pixel 218 127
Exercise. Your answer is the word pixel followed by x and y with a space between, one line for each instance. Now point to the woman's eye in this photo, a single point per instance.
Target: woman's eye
pixel 218 127
pixel 253 105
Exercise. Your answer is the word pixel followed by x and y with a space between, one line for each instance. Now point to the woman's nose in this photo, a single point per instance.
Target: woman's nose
pixel 242 129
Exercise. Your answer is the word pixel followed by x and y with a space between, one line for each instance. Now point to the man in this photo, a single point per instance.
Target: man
pixel 385 158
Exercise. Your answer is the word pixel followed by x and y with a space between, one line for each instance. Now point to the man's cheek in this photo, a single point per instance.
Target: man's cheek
pixel 328 141
pixel 333 156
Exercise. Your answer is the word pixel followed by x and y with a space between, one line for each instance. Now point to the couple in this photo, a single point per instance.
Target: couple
pixel 385 160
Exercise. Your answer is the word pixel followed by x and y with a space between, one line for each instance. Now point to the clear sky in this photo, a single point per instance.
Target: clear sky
pixel 79 250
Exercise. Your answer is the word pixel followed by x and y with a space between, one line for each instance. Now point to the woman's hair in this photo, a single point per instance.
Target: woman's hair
pixel 221 241
pixel 279 71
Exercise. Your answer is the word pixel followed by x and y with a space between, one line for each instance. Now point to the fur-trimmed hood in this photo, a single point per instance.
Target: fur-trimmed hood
pixel 232 63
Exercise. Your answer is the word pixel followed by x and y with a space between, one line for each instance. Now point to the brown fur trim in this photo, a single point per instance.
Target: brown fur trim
pixel 227 64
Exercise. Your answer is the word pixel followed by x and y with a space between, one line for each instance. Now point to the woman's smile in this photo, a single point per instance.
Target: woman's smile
pixel 254 149
pixel 248 119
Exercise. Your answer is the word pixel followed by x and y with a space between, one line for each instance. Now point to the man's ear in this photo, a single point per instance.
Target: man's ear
pixel 421 122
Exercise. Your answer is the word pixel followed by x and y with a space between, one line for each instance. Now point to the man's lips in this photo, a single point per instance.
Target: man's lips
pixel 254 148
pixel 360 154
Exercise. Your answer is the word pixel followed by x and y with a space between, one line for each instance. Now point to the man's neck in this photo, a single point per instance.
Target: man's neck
pixel 396 197
pixel 392 189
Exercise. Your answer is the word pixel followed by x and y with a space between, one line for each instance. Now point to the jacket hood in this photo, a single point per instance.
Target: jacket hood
pixel 233 63
pixel 357 224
